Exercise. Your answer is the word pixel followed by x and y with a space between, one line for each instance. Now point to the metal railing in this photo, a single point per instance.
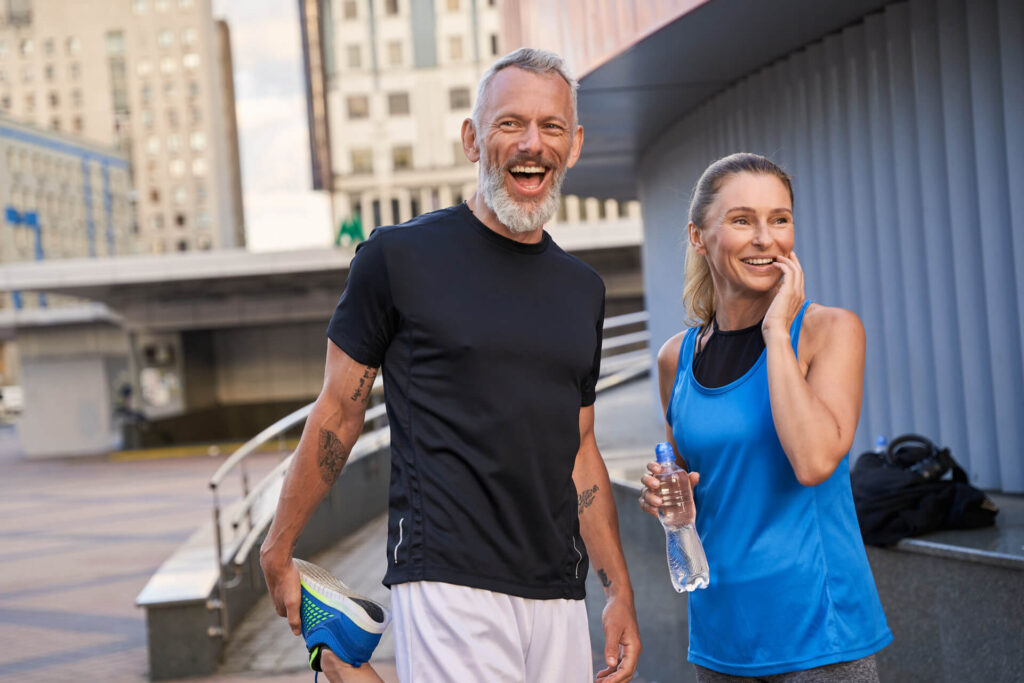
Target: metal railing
pixel 624 356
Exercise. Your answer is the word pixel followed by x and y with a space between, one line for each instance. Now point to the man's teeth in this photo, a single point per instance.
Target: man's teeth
pixel 526 169
pixel 759 261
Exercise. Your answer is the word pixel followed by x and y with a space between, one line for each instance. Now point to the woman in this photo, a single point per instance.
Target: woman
pixel 762 398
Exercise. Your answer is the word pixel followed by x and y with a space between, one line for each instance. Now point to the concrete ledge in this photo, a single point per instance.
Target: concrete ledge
pixel 955 610
pixel 178 599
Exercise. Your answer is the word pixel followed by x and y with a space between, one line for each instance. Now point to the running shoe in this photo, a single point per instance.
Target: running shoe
pixel 333 616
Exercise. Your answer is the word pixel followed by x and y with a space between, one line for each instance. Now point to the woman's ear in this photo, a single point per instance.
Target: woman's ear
pixel 696 239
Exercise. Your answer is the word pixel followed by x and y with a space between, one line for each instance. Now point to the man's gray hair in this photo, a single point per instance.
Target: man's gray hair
pixel 528 59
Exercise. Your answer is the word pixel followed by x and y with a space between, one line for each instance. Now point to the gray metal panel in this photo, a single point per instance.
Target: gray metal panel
pixel 962 193
pixel 945 325
pixel 903 134
pixel 996 241
pixel 424 33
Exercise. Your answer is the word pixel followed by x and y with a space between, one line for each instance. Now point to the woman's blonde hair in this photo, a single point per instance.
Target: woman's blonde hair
pixel 699 289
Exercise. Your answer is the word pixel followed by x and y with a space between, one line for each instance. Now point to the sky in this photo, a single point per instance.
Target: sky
pixel 281 211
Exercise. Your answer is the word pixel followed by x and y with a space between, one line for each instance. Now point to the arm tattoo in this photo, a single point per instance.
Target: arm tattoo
pixel 363 391
pixel 331 456
pixel 587 498
pixel 605 581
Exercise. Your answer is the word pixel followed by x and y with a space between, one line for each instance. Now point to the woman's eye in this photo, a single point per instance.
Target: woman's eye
pixel 741 221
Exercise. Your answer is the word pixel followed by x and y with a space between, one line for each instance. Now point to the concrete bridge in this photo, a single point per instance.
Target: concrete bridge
pixel 204 347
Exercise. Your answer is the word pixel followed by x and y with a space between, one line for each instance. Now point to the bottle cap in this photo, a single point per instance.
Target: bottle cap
pixel 664 454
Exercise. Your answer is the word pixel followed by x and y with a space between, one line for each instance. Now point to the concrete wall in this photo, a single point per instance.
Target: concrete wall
pixel 904 134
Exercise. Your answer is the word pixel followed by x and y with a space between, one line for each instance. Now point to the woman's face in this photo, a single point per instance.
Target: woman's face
pixel 748 224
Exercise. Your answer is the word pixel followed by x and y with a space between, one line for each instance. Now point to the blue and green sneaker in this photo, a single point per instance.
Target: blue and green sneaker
pixel 347 624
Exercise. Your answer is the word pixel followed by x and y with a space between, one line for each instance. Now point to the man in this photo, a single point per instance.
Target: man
pixel 489 336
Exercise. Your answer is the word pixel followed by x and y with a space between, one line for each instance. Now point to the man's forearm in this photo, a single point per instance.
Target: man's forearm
pixel 322 453
pixel 599 525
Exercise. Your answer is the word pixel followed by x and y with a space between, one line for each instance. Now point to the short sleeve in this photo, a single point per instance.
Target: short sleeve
pixel 588 391
pixel 365 319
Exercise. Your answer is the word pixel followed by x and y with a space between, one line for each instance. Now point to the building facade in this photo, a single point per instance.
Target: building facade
pixel 389 83
pixel 901 124
pixel 145 76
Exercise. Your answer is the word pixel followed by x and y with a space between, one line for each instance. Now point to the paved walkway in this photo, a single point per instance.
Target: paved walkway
pixel 79 538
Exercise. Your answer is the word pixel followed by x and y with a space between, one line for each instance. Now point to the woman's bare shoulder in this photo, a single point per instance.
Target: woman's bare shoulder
pixel 827 325
pixel 668 355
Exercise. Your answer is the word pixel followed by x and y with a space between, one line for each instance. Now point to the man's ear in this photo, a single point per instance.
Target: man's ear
pixel 470 145
pixel 577 146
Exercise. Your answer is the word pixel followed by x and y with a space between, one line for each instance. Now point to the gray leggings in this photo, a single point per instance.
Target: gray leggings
pixel 857 671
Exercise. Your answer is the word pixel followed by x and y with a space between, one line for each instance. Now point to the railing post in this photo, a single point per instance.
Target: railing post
pixel 218 549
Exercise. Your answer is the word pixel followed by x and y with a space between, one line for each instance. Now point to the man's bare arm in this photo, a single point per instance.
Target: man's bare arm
pixel 599 525
pixel 331 431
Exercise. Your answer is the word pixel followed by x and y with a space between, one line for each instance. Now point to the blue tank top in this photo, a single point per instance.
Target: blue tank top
pixel 791 587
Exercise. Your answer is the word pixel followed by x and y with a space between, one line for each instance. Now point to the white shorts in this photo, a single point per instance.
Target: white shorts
pixel 446 633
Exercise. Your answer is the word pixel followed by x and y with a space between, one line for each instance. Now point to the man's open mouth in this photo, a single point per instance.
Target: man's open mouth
pixel 528 177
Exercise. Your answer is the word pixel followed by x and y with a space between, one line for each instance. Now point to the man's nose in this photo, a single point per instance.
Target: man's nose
pixel 529 142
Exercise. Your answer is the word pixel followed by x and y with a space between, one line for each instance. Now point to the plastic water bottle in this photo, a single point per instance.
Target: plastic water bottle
pixel 881 445
pixel 687 564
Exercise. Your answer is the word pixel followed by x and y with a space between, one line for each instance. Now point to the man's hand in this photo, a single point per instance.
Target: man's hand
pixel 621 640
pixel 284 588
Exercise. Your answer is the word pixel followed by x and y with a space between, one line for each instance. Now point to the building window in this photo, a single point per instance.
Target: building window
pixel 197 140
pixel 168 65
pixel 188 36
pixel 26 74
pixel 173 143
pixel 75 71
pixel 147 118
pixel 455 48
pixel 54 99
pixel 48 47
pixel 182 245
pixel 179 220
pixel 355 56
pixel 5 102
pixel 350 9
pixel 180 195
pixel 165 38
pixel 176 168
pixel 76 97
pixel 362 160
pixel 458 98
pixel 154 196
pixel 144 68
pixel 494 44
pixel 26 47
pixel 453 5
pixel 395 53
pixel 358 106
pixel 169 90
pixel 197 116
pixel 186 4
pixel 72 45
pixel 140 6
pixel 49 72
pixel 30 102
pixel 391 7
pixel 193 89
pixel 398 104
pixel 199 167
pixel 153 145
pixel 55 123
pixel 146 94
pixel 191 61
pixel 156 221
pixel 161 5
pixel 3 49
pixel 401 157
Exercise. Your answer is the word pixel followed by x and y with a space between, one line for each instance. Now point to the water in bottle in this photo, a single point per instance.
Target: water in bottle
pixel 687 564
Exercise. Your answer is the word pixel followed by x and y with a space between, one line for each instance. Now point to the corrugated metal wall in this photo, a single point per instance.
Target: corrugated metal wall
pixel 905 138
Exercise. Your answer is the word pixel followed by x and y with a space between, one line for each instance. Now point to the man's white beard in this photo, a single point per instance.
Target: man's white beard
pixel 519 217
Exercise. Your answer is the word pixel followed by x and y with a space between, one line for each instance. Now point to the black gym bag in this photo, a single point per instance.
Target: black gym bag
pixel 901 492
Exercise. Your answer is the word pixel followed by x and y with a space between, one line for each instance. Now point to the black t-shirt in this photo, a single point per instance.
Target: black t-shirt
pixel 489 349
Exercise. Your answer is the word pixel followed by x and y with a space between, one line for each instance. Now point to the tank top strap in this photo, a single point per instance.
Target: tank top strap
pixel 794 329
pixel 686 350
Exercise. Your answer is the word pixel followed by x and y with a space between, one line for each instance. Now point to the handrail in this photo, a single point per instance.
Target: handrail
pixel 620 366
